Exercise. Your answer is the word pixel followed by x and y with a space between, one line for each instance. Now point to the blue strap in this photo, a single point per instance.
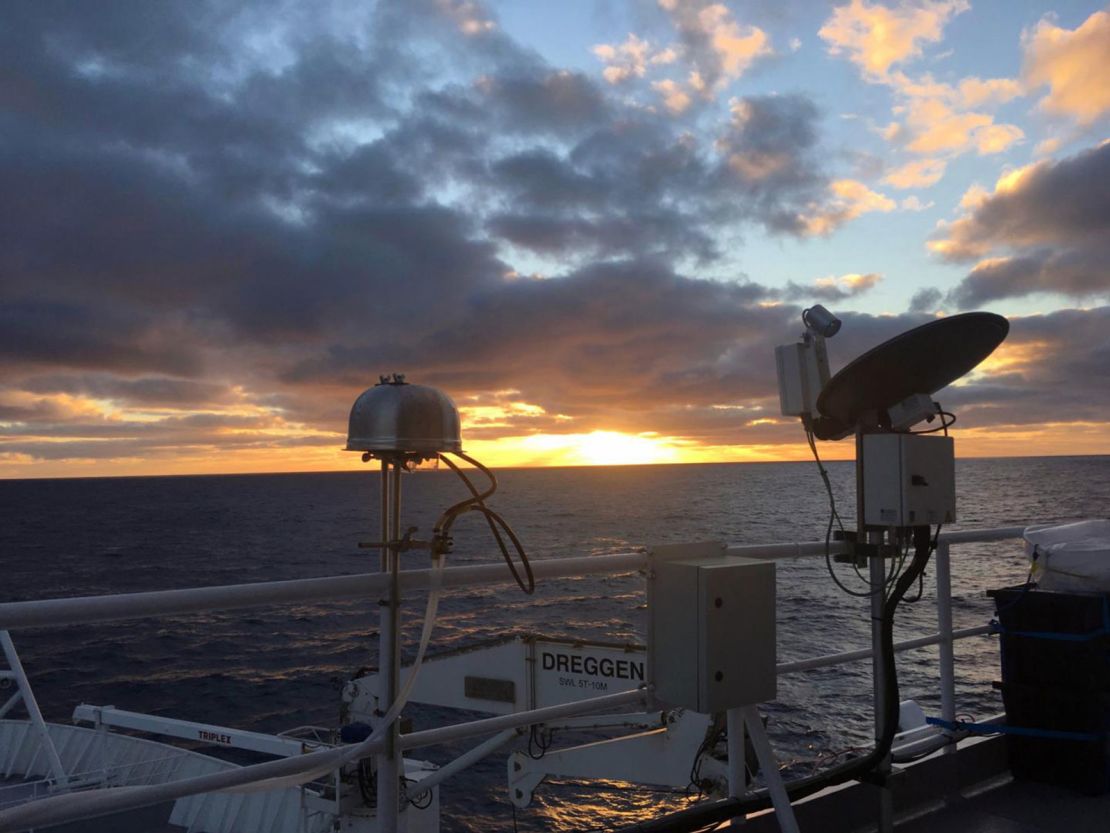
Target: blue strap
pixel 1062 637
pixel 997 627
pixel 1002 729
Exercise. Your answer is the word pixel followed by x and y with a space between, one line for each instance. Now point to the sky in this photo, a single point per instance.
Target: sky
pixel 589 223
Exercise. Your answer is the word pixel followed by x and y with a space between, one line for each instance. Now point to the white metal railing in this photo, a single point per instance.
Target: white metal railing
pixel 119 775
pixel 87 610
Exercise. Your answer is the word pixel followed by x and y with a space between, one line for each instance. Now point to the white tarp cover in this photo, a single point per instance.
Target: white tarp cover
pixel 1070 557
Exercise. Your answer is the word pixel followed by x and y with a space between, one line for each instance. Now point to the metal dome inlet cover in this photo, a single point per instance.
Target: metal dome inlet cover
pixel 399 418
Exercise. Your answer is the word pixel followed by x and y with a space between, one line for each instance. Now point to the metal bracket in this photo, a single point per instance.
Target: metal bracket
pixel 439 544
pixel 860 551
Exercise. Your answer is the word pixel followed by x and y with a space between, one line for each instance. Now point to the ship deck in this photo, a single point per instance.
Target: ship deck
pixel 1009 806
pixel 970 791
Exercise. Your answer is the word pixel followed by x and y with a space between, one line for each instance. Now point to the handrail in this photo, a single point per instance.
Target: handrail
pixel 80 610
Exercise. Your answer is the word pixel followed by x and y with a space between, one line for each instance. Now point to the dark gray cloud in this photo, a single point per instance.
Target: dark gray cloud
pixel 1081 271
pixel 1045 230
pixel 770 160
pixel 142 391
pixel 1058 370
pixel 926 300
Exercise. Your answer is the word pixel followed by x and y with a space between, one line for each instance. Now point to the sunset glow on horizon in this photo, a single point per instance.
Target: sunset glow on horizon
pixel 590 224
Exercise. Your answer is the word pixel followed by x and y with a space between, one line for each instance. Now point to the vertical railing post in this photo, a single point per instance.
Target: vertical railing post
pixel 389 760
pixel 944 628
pixel 877 578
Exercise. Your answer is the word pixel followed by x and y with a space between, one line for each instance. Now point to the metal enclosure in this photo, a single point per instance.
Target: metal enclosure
pixel 713 632
pixel 908 480
pixel 394 417
pixel 799 378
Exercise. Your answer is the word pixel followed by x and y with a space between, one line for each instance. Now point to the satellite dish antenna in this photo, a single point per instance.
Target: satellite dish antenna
pixel 919 361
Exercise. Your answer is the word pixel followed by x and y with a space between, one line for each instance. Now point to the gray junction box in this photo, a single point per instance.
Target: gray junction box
pixel 908 480
pixel 712 630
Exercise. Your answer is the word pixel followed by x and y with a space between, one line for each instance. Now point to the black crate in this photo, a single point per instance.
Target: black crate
pixel 1056 679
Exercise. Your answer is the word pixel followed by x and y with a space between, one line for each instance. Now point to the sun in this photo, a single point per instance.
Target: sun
pixel 596 448
pixel 612 448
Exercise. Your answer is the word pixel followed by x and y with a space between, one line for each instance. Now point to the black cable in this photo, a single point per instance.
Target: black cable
pixel 476 503
pixel 947 420
pixel 712 735
pixel 539 740
pixel 702 815
pixel 367 783
pixel 415 798
pixel 834 515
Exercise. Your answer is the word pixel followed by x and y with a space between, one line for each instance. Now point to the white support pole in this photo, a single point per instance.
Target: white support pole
pixel 8 706
pixel 737 766
pixel 468 758
pixel 944 627
pixel 784 813
pixel 734 726
pixel 32 706
pixel 389 642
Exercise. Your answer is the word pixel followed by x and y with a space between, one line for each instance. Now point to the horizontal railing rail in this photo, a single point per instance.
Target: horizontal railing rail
pixel 81 610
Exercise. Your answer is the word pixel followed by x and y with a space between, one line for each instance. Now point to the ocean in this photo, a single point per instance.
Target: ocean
pixel 270 669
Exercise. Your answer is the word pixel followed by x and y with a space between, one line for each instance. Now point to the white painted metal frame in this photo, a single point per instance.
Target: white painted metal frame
pixel 84 610
pixel 31 705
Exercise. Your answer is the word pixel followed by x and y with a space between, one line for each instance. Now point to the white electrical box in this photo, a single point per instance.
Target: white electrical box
pixel 799 378
pixel 712 630
pixel 908 480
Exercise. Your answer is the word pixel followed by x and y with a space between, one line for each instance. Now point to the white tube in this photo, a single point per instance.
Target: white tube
pixel 352 753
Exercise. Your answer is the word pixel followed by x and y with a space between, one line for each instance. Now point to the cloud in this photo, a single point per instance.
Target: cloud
pixel 1072 64
pixel 975 92
pixel 1044 228
pixel 1051 368
pixel 560 102
pixel 1080 273
pixel 849 199
pixel 718 47
pixel 925 300
pixel 936 119
pixel 877 37
pixel 920 173
pixel 231 244
pixel 623 61
pixel 932 118
pixel 215 236
pixel 832 288
pixel 675 98
pixel 913 203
